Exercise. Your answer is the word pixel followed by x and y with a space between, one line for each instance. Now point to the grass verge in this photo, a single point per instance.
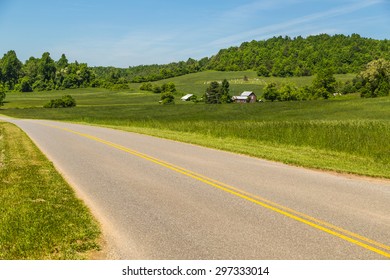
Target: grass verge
pixel 41 217
pixel 305 156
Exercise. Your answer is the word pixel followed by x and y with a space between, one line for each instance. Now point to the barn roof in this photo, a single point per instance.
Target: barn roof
pixel 186 97
pixel 240 97
pixel 247 93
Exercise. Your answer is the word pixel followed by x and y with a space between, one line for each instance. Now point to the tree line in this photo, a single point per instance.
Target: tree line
pixel 39 74
pixel 284 56
pixel 277 56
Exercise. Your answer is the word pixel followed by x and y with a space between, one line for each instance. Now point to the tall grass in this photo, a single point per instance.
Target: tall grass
pixel 363 138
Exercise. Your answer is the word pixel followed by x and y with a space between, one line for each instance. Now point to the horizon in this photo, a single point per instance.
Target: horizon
pixel 123 33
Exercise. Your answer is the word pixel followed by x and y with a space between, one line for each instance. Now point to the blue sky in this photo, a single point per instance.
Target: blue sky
pixel 126 33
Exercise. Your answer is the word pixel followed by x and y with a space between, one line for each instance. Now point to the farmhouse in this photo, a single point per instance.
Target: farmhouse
pixel 186 97
pixel 245 97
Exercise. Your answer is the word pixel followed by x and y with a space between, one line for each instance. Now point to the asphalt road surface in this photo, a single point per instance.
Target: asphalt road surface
pixel 161 199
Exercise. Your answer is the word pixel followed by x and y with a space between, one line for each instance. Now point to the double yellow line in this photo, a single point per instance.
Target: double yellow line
pixel 346 235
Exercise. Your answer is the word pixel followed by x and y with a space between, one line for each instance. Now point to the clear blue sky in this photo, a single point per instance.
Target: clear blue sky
pixel 126 33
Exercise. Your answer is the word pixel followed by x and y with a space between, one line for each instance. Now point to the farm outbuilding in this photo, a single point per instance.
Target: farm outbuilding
pixel 186 97
pixel 245 97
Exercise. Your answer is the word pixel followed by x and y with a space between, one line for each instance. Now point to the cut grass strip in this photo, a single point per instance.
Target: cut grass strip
pixel 41 218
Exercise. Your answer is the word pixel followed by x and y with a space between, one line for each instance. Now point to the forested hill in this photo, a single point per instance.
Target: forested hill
pixel 283 56
pixel 278 56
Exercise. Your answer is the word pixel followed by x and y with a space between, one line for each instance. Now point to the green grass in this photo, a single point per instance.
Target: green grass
pixel 344 134
pixel 40 216
pixel 197 83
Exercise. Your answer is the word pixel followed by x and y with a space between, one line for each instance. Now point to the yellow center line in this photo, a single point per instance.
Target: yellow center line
pixel 295 215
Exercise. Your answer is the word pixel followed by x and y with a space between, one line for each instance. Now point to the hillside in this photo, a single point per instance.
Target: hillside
pixel 283 56
pixel 277 56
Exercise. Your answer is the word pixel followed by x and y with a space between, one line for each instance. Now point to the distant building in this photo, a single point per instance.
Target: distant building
pixel 186 97
pixel 245 97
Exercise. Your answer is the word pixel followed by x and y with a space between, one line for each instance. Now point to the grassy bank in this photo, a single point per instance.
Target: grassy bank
pixel 311 153
pixel 40 216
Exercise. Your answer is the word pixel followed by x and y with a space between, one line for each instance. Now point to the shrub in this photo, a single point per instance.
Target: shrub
pixel 146 86
pixel 66 101
pixel 69 101
pixel 167 98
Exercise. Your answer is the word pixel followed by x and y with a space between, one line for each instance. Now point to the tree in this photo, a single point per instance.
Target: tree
pixel 85 75
pixel 10 69
pixel 30 68
pixel 47 68
pixel 324 84
pixel 2 95
pixel 62 63
pixel 225 96
pixel 271 92
pixel 289 92
pixel 263 71
pixel 25 84
pixel 213 93
pixel 376 79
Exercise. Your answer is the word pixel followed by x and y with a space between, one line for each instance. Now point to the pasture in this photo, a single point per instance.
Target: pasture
pixel 344 134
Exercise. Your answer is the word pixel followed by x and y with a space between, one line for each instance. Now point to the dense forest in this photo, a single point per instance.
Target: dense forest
pixel 278 56
pixel 283 56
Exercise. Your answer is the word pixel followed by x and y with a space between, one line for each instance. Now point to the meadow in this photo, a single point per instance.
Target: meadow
pixel 344 134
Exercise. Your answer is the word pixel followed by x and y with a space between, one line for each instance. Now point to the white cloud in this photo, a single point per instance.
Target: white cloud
pixel 288 27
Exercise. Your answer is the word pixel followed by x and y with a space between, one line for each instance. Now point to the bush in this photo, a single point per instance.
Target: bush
pixel 120 86
pixel 69 101
pixel 167 98
pixel 146 86
pixel 156 89
pixel 66 101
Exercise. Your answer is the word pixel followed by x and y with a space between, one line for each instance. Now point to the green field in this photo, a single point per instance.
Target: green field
pixel 344 134
pixel 197 83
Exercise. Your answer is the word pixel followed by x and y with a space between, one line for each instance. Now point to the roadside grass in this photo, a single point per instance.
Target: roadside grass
pixel 304 156
pixel 40 216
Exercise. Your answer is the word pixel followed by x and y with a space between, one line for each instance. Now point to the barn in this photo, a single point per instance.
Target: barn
pixel 245 97
pixel 186 97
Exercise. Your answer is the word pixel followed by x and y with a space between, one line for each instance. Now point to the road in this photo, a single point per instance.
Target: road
pixel 161 199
